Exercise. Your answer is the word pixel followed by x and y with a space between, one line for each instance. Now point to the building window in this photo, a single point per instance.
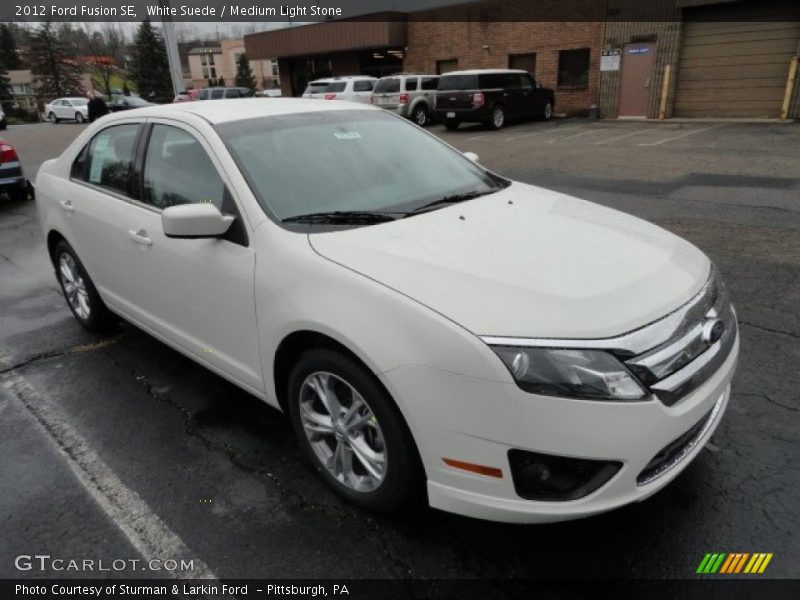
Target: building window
pixel 209 67
pixel 573 68
pixel 274 68
pixel 445 66
pixel 525 62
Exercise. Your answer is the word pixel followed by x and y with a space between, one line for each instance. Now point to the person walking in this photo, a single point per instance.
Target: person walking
pixel 97 107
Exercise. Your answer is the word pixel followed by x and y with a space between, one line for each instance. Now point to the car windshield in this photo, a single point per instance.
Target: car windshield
pixel 387 86
pixel 350 160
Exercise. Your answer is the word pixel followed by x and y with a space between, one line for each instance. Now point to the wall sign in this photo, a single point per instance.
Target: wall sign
pixel 609 60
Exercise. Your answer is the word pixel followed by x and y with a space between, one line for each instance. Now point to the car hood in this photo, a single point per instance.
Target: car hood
pixel 527 262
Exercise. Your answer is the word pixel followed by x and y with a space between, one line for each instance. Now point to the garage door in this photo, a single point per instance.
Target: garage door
pixel 735 59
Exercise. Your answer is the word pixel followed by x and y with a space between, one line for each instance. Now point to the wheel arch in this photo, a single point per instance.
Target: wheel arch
pixel 53 237
pixel 293 345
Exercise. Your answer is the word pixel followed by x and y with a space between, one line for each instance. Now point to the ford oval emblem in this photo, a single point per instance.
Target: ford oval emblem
pixel 712 331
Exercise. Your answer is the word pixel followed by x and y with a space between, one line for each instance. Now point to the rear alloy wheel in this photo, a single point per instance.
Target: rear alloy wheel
pixel 420 116
pixel 52 117
pixel 547 113
pixel 82 297
pixel 351 430
pixel 79 117
pixel 498 117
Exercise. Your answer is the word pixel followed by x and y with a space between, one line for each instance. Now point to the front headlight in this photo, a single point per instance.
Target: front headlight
pixel 591 374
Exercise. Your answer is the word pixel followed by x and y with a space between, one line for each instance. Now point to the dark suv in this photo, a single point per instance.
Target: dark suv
pixel 491 97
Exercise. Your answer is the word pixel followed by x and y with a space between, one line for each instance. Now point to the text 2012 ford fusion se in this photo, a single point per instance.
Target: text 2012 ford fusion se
pixel 531 356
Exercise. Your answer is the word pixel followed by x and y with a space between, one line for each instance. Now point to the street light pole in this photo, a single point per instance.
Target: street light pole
pixel 171 43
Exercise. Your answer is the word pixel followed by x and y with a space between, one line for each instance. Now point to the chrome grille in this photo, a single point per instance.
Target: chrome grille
pixel 691 355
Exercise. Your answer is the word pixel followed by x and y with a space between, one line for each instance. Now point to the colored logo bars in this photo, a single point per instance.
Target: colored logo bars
pixel 734 562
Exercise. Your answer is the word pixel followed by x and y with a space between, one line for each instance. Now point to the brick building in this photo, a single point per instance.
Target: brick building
pixel 723 58
pixel 563 53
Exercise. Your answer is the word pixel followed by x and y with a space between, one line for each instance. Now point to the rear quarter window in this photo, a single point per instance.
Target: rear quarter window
pixel 453 83
pixel 363 86
pixel 411 84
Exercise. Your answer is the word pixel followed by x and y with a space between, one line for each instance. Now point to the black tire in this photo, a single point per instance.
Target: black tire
pixel 79 117
pixel 547 112
pixel 452 124
pixel 498 117
pixel 99 317
pixel 52 117
pixel 420 115
pixel 18 194
pixel 402 476
pixel 3 124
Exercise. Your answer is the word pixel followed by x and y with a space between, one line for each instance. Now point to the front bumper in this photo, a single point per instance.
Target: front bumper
pixel 478 421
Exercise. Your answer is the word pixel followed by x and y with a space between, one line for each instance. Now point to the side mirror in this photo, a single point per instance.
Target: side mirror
pixel 201 220
pixel 472 156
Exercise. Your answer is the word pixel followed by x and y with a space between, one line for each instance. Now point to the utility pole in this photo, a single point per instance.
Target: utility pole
pixel 171 43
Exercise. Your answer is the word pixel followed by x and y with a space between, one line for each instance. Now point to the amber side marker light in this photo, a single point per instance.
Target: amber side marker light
pixel 473 468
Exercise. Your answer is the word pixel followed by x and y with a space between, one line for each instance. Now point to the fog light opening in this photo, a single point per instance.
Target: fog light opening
pixel 558 478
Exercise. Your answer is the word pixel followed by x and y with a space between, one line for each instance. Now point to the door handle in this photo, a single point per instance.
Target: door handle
pixel 140 237
pixel 66 206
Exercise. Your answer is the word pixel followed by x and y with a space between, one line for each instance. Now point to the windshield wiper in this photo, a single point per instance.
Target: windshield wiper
pixel 343 216
pixel 452 199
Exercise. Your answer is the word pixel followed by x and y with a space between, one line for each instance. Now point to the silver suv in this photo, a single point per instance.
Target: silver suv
pixel 353 88
pixel 409 95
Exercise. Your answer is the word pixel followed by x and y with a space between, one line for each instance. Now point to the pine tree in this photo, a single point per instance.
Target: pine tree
pixel 53 65
pixel 8 48
pixel 150 69
pixel 6 94
pixel 244 74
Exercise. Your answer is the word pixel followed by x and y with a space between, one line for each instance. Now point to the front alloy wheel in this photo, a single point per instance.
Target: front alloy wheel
pixel 351 430
pixel 79 117
pixel 547 113
pixel 498 117
pixel 343 432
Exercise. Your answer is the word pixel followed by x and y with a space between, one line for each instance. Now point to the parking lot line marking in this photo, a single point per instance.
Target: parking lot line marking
pixel 145 530
pixel 545 131
pixel 574 135
pixel 622 137
pixel 677 137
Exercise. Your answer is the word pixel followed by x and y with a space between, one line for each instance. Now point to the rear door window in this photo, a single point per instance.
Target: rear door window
pixel 108 160
pixel 217 94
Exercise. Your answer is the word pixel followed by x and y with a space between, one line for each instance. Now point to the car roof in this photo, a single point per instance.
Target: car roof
pixel 342 78
pixel 237 109
pixel 410 75
pixel 482 72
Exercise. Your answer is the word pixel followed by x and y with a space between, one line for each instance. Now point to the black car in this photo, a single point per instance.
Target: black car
pixel 491 97
pixel 127 103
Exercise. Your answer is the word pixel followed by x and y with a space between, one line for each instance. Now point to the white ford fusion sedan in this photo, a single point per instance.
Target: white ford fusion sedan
pixel 530 356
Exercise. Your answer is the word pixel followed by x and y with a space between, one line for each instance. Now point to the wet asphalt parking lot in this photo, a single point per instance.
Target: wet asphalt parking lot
pixel 119 447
